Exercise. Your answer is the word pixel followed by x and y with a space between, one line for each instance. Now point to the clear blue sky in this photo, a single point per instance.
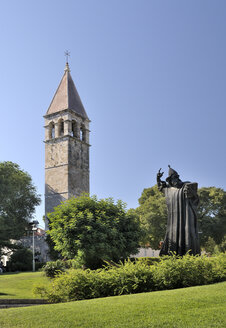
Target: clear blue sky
pixel 151 75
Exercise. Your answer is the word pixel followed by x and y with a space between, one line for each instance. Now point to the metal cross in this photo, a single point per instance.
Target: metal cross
pixel 67 54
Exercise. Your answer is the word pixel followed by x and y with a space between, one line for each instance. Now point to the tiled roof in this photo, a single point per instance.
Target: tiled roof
pixel 67 97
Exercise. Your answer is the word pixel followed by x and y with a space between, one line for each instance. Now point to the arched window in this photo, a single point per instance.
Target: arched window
pixel 82 133
pixel 51 130
pixel 74 129
pixel 60 128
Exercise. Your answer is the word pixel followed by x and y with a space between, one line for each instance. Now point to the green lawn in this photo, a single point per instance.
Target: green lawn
pixel 194 307
pixel 20 285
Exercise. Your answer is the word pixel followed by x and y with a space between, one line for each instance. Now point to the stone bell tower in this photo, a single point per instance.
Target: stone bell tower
pixel 66 145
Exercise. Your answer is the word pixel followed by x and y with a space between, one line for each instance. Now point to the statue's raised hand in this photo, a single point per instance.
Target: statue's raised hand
pixel 160 174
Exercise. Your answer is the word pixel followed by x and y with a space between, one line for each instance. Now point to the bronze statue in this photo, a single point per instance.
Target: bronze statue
pixel 182 200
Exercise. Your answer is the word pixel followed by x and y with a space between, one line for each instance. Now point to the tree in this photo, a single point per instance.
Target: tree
pixel 94 230
pixel 211 215
pixel 153 216
pixel 18 198
pixel 222 246
pixel 20 260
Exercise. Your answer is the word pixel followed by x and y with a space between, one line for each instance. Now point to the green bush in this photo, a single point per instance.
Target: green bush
pixel 92 230
pixel 135 277
pixel 51 269
pixel 74 264
pixel 222 246
pixel 148 260
pixel 176 272
pixel 20 260
pixel 210 246
pixel 80 284
pixel 219 267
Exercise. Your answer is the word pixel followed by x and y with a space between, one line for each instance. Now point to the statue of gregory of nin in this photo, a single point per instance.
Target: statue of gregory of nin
pixel 182 229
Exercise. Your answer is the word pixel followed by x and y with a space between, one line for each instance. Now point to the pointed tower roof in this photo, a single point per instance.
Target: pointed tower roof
pixel 67 97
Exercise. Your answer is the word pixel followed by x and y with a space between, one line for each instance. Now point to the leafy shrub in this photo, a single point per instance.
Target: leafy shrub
pixel 51 269
pixel 222 246
pixel 93 230
pixel 210 245
pixel 176 272
pixel 219 267
pixel 74 264
pixel 80 284
pixel 135 277
pixel 148 260
pixel 20 260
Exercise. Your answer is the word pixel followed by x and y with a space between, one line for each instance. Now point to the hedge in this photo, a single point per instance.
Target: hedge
pixel 129 278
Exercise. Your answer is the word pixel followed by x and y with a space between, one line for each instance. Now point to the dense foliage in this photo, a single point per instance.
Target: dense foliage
pixel 128 278
pixel 20 260
pixel 152 213
pixel 211 215
pixel 18 198
pixel 52 269
pixel 92 230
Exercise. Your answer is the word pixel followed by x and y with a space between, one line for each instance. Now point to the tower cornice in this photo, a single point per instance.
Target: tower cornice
pixel 65 138
pixel 64 111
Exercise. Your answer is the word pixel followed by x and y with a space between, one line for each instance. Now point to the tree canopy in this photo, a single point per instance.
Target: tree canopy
pixel 94 230
pixel 18 198
pixel 211 215
pixel 152 213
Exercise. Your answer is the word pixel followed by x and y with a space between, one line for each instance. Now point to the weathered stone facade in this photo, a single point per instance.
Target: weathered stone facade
pixel 41 247
pixel 66 145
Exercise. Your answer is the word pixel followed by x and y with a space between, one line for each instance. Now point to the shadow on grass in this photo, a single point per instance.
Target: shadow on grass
pixel 7 294
pixel 9 273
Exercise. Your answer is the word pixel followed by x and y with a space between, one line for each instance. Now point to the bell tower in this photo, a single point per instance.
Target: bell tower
pixel 66 145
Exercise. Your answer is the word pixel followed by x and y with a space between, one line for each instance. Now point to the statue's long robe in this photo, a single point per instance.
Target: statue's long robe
pixel 182 230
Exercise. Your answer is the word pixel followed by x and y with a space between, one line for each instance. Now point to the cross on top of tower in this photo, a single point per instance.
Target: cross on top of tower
pixel 67 54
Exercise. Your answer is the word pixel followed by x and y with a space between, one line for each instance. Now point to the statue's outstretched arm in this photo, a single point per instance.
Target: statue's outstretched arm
pixel 161 184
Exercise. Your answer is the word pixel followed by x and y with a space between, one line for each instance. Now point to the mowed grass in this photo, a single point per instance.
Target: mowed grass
pixel 202 306
pixel 20 285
